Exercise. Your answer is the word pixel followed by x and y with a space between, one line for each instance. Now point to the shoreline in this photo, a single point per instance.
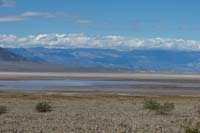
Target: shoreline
pixel 100 76
pixel 146 90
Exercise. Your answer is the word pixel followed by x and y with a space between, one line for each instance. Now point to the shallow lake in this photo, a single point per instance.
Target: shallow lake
pixel 81 85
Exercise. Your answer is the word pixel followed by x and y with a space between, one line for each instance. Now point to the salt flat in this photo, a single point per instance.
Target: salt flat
pixel 109 76
pixel 103 112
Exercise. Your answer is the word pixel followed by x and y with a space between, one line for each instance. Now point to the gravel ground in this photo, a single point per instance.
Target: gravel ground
pixel 94 113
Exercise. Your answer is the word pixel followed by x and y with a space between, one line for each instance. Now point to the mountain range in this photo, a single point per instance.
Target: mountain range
pixel 6 55
pixel 11 61
pixel 142 60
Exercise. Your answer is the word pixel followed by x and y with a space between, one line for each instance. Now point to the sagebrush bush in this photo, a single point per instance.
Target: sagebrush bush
pixel 191 130
pixel 3 109
pixel 151 104
pixel 195 129
pixel 197 108
pixel 158 108
pixel 43 107
pixel 166 108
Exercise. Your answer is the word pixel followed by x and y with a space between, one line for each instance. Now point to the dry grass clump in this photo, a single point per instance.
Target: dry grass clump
pixel 162 109
pixel 191 130
pixel 151 104
pixel 195 129
pixel 43 107
pixel 197 108
pixel 3 109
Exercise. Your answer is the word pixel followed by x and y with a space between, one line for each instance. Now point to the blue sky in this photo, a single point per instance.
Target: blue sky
pixel 113 24
pixel 130 18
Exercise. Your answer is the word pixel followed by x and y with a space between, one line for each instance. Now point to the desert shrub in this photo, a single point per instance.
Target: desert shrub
pixel 191 130
pixel 158 108
pixel 166 108
pixel 43 107
pixel 197 108
pixel 3 109
pixel 195 129
pixel 151 104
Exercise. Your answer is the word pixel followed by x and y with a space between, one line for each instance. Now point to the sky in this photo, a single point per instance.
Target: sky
pixel 116 23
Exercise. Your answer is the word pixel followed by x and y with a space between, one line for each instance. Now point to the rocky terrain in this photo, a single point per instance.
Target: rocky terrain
pixel 102 113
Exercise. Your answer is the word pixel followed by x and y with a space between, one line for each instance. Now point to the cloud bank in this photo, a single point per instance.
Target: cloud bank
pixel 104 42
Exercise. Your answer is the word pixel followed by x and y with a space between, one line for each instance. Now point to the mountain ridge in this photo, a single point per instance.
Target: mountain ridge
pixel 147 60
pixel 7 55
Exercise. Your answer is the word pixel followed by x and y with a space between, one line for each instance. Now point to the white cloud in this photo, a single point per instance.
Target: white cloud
pixel 11 19
pixel 26 15
pixel 38 14
pixel 7 3
pixel 107 42
pixel 84 21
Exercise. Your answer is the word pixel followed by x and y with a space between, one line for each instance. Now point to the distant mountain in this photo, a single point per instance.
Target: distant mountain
pixel 6 55
pixel 156 60
pixel 23 66
pixel 11 61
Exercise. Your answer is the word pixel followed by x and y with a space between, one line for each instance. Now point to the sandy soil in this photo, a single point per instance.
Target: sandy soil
pixel 91 113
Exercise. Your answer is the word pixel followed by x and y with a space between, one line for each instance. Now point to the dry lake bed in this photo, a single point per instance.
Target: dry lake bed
pixel 102 103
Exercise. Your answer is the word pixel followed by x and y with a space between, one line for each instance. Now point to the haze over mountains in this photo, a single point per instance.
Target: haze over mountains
pixel 82 51
pixel 68 41
pixel 144 60
pixel 11 61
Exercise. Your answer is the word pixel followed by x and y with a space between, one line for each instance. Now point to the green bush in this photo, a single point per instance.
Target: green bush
pixel 158 108
pixel 191 130
pixel 197 108
pixel 166 108
pixel 151 104
pixel 3 109
pixel 195 129
pixel 43 107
